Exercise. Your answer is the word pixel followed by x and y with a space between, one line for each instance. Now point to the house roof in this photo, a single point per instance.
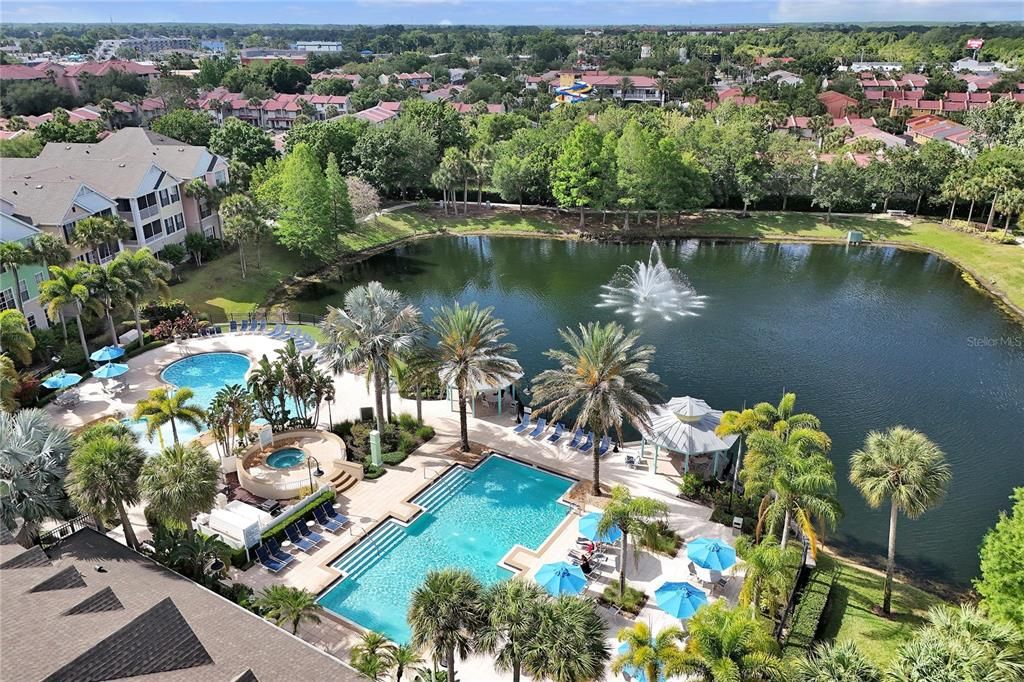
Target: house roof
pixel 133 618
pixel 416 75
pixel 377 114
pixel 20 72
pixel 938 128
pixel 464 108
pixel 41 193
pixel 830 96
pixel 103 68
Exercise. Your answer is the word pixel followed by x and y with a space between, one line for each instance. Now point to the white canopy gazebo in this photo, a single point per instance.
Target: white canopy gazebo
pixel 481 386
pixel 686 425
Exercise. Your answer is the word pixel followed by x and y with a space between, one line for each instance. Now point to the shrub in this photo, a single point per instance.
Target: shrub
pixel 342 429
pixel 394 458
pixel 301 515
pixel 667 541
pixel 361 437
pixel 631 601
pixel 407 422
pixel 809 609
pixel 48 342
pixel 424 433
pixel 159 311
pixel 372 471
pixel 186 325
pixel 406 442
pixel 690 485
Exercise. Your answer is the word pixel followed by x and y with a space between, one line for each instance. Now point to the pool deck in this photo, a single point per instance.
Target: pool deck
pixel 369 503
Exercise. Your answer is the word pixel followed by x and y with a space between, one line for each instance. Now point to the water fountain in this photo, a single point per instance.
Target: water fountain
pixel 651 288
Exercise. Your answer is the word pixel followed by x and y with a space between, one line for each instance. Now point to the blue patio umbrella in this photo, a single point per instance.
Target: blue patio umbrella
pixel 588 529
pixel 633 672
pixel 106 354
pixel 711 554
pixel 62 380
pixel 110 370
pixel 680 600
pixel 561 578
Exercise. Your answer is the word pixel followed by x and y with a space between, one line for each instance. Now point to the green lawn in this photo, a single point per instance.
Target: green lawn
pixel 850 615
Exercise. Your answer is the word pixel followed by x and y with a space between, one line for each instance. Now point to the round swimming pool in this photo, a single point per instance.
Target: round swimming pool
pixel 207 373
pixel 285 458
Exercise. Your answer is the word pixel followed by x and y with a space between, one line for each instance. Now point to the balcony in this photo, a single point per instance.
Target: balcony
pixel 149 211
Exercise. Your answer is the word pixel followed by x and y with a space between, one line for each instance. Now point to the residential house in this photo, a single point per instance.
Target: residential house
pixel 974 66
pixel 260 55
pixel 444 94
pixel 837 104
pixel 330 74
pixel 639 88
pixel 69 77
pixel 414 80
pixel 317 46
pixel 464 108
pixel 772 61
pixel 457 76
pixel 277 113
pixel 380 113
pixel 929 127
pixel 785 77
pixel 13 229
pixel 107 49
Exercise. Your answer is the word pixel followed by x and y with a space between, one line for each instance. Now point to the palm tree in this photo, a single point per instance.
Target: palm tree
pixel 266 385
pixel 905 467
pixel 193 553
pixel 106 287
pixel 104 476
pixel 289 605
pixel 794 479
pixel 444 613
pixel 636 517
pixel 727 644
pixel 481 160
pixel 414 369
pixel 372 655
pixel 9 383
pixel 840 662
pixel 33 463
pixel 470 353
pixel 403 658
pixel 15 338
pixel 95 231
pixel 604 376
pixel 179 482
pixel 649 652
pixel 162 406
pixel 67 286
pixel 769 572
pixel 323 392
pixel 142 275
pixel 231 413
pixel 362 335
pixel 13 254
pixel 50 250
pixel 298 375
pixel 513 615
pixel 570 642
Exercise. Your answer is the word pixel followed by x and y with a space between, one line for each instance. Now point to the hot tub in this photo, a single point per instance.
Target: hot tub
pixel 286 458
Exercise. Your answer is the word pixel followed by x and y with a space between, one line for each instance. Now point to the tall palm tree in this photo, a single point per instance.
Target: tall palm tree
pixel 33 464
pixel 289 605
pixel 299 375
pixel 840 662
pixel 9 383
pixel 795 481
pixel 67 286
pixel 95 231
pixel 15 338
pixel 769 572
pixel 13 254
pixel 266 385
pixel 513 615
pixel 142 275
pixel 605 377
pixel 570 642
pixel 413 370
pixel 323 392
pixel 231 414
pixel 905 467
pixel 782 418
pixel 106 287
pixel 167 406
pixel 104 476
pixel 372 324
pixel 372 655
pixel 179 482
pixel 50 250
pixel 444 613
pixel 649 652
pixel 470 353
pixel 636 517
pixel 727 644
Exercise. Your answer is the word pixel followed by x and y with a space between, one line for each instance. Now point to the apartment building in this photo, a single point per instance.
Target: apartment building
pixel 276 114
pixel 317 46
pixel 13 229
pixel 107 49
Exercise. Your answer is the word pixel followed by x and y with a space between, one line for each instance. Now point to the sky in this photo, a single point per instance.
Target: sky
pixel 505 12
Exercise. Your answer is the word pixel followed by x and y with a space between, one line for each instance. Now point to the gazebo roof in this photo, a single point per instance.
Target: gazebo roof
pixel 687 425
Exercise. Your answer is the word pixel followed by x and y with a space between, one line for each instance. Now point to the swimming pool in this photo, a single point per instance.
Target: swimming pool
pixel 473 518
pixel 285 458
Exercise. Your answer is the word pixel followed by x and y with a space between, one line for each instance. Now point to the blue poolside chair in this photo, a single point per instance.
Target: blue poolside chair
pixel 576 438
pixel 276 331
pixel 559 431
pixel 232 327
pixel 245 327
pixel 523 426
pixel 330 525
pixel 309 532
pixel 542 424
pixel 269 563
pixel 277 553
pixel 295 536
pixel 214 330
pixel 329 512
pixel 602 448
pixel 588 444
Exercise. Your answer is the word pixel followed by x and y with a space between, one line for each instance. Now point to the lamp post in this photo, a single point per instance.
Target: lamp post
pixel 309 469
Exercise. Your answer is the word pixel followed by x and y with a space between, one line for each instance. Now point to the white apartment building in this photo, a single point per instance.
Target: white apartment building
pixel 107 49
pixel 317 46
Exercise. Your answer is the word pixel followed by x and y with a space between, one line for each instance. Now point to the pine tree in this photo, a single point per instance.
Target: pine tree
pixel 342 218
pixel 304 224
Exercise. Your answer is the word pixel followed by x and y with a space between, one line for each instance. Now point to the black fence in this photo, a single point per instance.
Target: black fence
pixel 53 536
pixel 271 317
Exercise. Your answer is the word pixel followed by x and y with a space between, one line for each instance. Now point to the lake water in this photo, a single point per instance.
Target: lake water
pixel 867 338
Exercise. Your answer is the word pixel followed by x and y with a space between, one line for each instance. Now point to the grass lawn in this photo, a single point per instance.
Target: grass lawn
pixel 850 615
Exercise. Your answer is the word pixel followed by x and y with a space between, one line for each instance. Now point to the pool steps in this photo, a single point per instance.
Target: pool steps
pixel 442 491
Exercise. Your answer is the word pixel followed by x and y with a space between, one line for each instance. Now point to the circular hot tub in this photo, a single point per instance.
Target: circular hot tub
pixel 285 458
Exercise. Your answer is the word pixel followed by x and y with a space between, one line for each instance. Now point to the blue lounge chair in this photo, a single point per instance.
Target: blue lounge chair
pixel 309 532
pixel 277 553
pixel 576 438
pixel 275 332
pixel 523 426
pixel 295 536
pixel 559 431
pixel 269 563
pixel 263 326
pixel 245 327
pixel 329 512
pixel 330 525
pixel 588 444
pixel 233 326
pixel 542 424
pixel 214 330
pixel 602 448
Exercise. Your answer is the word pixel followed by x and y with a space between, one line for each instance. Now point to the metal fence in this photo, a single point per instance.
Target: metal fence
pixel 53 536
pixel 272 317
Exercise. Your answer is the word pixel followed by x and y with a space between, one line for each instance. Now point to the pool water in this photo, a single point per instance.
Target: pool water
pixel 472 519
pixel 285 458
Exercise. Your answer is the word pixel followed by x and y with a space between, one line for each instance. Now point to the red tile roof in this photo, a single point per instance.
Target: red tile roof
pixel 19 72
pixel 833 96
pixel 102 68
pixel 464 108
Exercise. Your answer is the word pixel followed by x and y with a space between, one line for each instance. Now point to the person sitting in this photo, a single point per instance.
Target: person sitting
pixel 585 566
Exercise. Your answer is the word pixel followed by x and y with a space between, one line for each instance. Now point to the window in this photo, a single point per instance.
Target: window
pixel 175 196
pixel 31 319
pixel 204 210
pixel 165 197
pixel 220 177
pixel 151 230
pixel 7 299
pixel 69 231
pixel 124 206
pixel 23 290
pixel 169 225
pixel 39 278
pixel 179 222
pixel 147 200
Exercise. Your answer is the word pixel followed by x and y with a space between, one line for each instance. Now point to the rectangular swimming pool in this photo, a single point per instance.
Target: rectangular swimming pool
pixel 472 518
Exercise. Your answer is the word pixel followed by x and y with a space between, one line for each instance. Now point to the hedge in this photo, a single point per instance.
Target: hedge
pixel 808 612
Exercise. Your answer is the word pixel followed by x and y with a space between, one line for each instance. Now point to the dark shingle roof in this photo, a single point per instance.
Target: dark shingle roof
pixel 247 676
pixel 67 579
pixel 104 600
pixel 5 536
pixel 33 558
pixel 160 640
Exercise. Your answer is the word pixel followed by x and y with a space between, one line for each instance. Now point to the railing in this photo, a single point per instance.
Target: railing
pixel 65 530
pixel 148 212
pixel 283 317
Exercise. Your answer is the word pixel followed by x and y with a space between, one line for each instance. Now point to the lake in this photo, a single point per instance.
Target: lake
pixel 867 337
